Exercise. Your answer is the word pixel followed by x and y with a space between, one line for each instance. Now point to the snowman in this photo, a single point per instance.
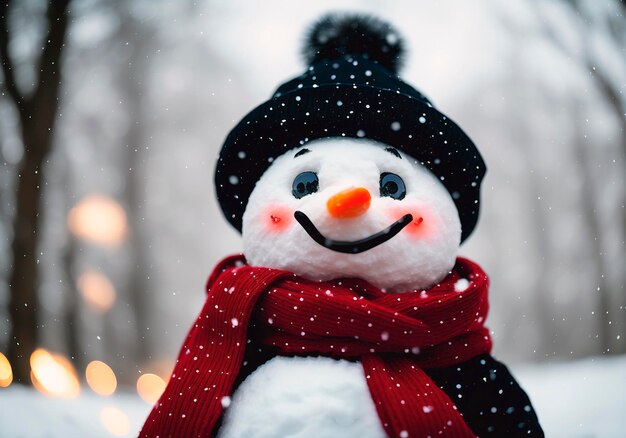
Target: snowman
pixel 350 313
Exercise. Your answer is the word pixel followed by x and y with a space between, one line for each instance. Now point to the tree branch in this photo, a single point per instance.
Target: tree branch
pixel 7 65
pixel 49 65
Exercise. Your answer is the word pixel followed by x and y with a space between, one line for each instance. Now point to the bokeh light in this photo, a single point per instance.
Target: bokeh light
pixel 97 291
pixel 53 374
pixel 98 219
pixel 115 421
pixel 6 373
pixel 150 387
pixel 100 378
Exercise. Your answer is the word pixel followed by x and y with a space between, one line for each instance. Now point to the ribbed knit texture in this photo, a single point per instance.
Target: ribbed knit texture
pixel 394 335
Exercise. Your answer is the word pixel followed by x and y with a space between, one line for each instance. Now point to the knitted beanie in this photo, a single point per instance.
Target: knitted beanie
pixel 351 88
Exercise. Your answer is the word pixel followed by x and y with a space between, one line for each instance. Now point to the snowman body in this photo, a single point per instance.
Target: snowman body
pixel 303 397
pixel 322 396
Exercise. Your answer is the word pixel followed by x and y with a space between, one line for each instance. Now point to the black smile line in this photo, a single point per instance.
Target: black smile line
pixel 356 246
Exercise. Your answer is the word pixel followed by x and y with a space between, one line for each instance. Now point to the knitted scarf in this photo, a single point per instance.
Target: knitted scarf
pixel 395 337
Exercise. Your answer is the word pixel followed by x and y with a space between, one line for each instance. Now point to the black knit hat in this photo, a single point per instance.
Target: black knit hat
pixel 350 89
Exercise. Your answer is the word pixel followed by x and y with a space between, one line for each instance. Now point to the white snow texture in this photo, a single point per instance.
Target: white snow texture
pixel 578 399
pixel 303 397
pixel 419 256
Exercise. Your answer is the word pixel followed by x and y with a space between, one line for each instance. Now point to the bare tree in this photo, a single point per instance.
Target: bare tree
pixel 595 30
pixel 133 86
pixel 612 28
pixel 37 113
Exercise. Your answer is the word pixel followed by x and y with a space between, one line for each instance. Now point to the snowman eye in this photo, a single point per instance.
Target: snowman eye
pixel 304 184
pixel 392 185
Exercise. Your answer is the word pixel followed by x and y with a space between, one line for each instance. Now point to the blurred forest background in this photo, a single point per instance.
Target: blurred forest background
pixel 112 114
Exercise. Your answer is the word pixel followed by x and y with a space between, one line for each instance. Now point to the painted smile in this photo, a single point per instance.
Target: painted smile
pixel 356 246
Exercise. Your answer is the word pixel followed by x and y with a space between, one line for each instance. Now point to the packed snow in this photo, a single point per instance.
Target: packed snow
pixel 417 258
pixel 579 399
pixel 303 397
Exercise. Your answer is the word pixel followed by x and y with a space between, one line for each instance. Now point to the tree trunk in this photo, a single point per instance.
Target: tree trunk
pixel 37 114
pixel 23 279
pixel 72 305
pixel 133 88
pixel 590 213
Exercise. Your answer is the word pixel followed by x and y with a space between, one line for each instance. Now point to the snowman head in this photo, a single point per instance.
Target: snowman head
pixel 352 208
pixel 348 171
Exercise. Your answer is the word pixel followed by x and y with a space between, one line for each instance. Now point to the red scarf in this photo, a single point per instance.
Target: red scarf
pixel 394 336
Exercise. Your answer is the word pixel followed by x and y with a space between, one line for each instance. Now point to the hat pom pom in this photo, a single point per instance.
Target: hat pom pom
pixel 337 35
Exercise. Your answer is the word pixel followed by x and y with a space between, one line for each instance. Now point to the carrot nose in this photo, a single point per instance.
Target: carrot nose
pixel 349 203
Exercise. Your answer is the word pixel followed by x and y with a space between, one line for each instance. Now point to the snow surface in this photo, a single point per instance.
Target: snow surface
pixel 581 399
pixel 586 398
pixel 26 413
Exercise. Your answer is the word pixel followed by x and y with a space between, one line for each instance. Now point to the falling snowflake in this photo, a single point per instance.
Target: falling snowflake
pixel 461 285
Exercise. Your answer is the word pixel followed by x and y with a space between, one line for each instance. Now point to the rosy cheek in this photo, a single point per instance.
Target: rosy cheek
pixel 277 218
pixel 423 224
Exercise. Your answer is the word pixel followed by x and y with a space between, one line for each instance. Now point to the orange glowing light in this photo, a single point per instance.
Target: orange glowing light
pixel 6 373
pixel 98 219
pixel 97 291
pixel 115 421
pixel 53 374
pixel 150 387
pixel 100 378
